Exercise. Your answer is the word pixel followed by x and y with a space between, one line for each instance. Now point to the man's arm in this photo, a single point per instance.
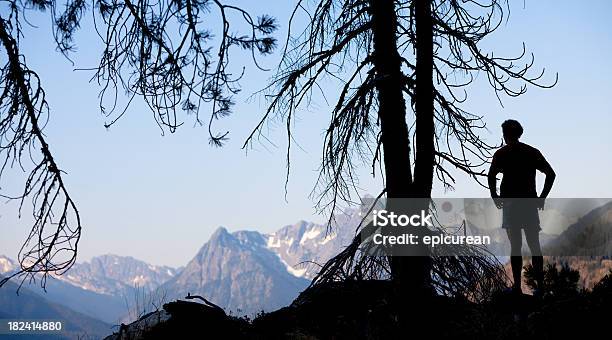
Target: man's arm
pixel 492 179
pixel 492 176
pixel 545 167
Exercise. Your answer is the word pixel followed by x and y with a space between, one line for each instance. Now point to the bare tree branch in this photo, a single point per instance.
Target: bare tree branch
pixel 51 245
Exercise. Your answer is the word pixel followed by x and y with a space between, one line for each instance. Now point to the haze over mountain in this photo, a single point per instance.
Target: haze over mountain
pixel 117 275
pixel 32 305
pixel 591 235
pixel 245 272
pixel 106 288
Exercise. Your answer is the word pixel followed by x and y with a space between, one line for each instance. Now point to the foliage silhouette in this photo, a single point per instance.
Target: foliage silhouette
pixel 163 52
pixel 402 70
pixel 558 283
pixel 369 310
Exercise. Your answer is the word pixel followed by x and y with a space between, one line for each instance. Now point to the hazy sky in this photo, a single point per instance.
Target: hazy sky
pixel 158 198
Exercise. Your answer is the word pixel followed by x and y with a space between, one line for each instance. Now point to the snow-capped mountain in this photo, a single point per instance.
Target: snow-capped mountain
pixel 117 275
pixel 244 271
pixel 105 288
pixel 305 246
pixel 108 274
pixel 247 271
pixel 238 272
pixel 7 265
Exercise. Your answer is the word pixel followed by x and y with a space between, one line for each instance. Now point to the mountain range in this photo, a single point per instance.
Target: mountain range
pixel 243 272
pixel 117 275
pixel 107 288
pixel 247 272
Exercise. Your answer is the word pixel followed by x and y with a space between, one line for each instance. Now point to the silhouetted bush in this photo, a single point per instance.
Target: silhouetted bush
pixel 559 283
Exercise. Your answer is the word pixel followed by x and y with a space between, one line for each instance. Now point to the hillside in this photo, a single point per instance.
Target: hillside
pixel 591 235
pixel 29 304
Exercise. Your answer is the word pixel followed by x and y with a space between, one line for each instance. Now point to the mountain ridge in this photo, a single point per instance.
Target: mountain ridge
pixel 29 304
pixel 244 271
pixel 238 272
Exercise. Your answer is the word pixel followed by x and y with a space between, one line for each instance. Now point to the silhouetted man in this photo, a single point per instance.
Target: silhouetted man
pixel 518 198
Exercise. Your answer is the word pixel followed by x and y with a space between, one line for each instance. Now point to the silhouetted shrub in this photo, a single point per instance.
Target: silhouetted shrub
pixel 557 282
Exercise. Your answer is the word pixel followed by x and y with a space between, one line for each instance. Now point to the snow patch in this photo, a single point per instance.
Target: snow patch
pixel 310 234
pixel 296 272
pixel 6 265
pixel 272 243
pixel 328 238
pixel 291 270
pixel 139 279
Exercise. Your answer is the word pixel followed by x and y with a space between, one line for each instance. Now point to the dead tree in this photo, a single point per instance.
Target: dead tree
pixel 382 55
pixel 165 52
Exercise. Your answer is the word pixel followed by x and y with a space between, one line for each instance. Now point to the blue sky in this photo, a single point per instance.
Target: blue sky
pixel 139 191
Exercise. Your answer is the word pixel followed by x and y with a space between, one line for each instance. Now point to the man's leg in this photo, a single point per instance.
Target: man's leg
pixel 537 261
pixel 516 259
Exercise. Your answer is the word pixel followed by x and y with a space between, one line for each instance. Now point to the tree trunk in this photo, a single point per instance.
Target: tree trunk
pixel 411 273
pixel 392 107
pixel 424 106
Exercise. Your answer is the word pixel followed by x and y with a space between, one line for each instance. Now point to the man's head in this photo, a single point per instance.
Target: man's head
pixel 512 131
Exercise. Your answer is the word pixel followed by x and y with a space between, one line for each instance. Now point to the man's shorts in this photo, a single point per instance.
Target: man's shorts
pixel 520 213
